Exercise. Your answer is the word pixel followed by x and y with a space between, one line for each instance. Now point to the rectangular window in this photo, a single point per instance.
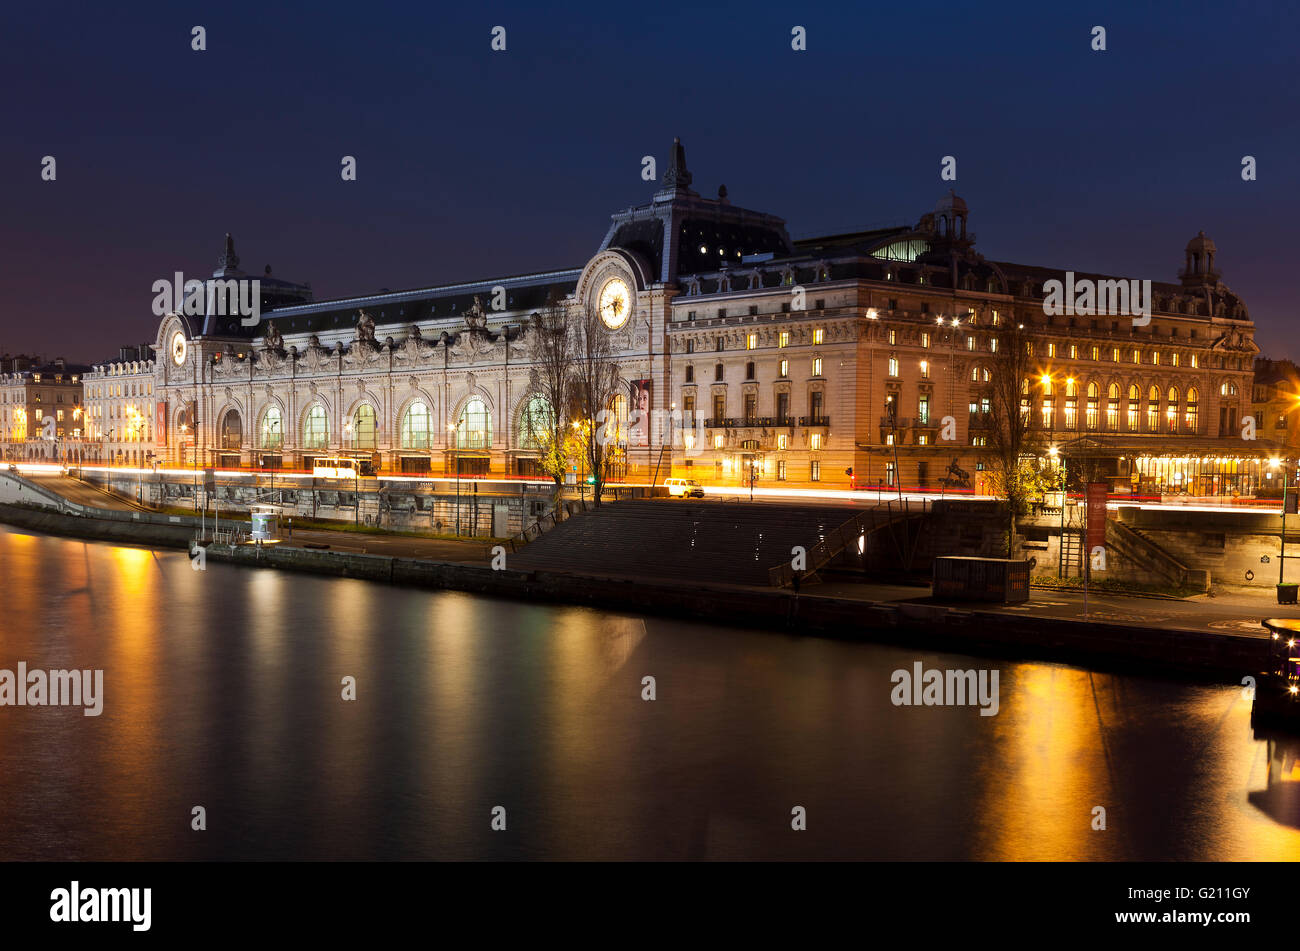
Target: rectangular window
pixel 751 341
pixel 780 470
pixel 1114 354
pixel 925 369
pixel 819 337
pixel 783 339
pixel 893 338
pixel 970 343
pixel 1155 358
pixel 893 366
pixel 720 345
pixel 1137 355
pixel 889 474
pixel 925 340
pixel 1051 350
pixel 785 368
pixel 1096 353
pixel 1074 352
pixel 993 344
pixel 717 441
pixel 1196 361
pixel 923 409
pixel 782 408
pixel 782 441
pixel 815 441
pixel 817 366
pixel 751 407
pixel 815 471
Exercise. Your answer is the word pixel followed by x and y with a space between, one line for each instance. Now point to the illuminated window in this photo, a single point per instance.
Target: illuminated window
pixel 1074 352
pixel 785 368
pixel 970 342
pixel 1155 358
pixel 717 441
pixel 819 337
pixel 925 339
pixel 1153 409
pixel 1096 353
pixel 923 409
pixel 536 423
pixel 925 369
pixel 893 366
pixel 783 339
pixel 1049 415
pixel 1071 405
pixel 751 341
pixel 415 426
pixel 1134 402
pixel 993 344
pixel 782 441
pixel 1137 355
pixel 1173 359
pixel 272 432
pixel 1051 350
pixel 364 427
pixel 1093 418
pixel 1112 407
pixel 893 338
pixel 1171 410
pixel 1192 415
pixel 1196 361
pixel 817 366
pixel 1114 354
pixel 815 441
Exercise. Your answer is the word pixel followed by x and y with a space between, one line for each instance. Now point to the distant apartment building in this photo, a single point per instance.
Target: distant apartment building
pixel 120 408
pixel 42 413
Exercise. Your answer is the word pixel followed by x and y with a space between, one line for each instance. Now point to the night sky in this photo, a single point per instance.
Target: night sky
pixel 475 164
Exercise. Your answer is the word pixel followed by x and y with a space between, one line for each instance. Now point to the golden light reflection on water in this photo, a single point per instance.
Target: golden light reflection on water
pixel 226 683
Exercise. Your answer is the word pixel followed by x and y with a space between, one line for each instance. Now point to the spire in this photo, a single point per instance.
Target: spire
pixel 229 261
pixel 677 179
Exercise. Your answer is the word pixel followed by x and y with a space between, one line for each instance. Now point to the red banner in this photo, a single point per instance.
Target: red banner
pixel 1097 515
pixel 160 424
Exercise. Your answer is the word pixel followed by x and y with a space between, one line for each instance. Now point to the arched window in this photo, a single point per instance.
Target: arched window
pixel 415 426
pixel 272 429
pixel 620 418
pixel 474 429
pixel 1094 406
pixel 364 427
pixel 1192 415
pixel 1134 407
pixel 315 429
pixel 535 423
pixel 1171 410
pixel 1112 407
pixel 232 430
pixel 1153 409
pixel 1071 404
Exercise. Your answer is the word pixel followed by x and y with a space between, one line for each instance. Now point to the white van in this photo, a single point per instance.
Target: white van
pixel 684 488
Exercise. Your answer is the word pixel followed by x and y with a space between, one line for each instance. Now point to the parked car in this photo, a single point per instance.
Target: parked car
pixel 684 488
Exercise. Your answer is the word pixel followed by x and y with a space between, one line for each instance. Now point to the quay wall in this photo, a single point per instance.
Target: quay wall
pixel 1205 655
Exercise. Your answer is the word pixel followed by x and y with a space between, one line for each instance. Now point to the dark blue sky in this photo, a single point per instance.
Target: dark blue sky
pixel 475 164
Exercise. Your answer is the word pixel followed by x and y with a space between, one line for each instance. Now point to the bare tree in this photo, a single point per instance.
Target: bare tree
pixel 553 349
pixel 1014 440
pixel 595 386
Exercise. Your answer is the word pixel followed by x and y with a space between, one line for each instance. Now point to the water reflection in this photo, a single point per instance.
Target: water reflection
pixel 223 689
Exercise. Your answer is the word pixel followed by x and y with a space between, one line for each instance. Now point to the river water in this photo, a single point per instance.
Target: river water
pixel 223 689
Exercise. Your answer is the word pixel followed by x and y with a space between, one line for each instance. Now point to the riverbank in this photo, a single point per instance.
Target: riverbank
pixel 911 621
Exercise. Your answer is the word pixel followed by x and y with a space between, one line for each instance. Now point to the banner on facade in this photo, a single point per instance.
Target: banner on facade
pixel 1097 514
pixel 639 422
pixel 160 424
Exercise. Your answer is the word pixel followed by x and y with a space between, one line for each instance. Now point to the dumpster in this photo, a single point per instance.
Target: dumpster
pixel 966 578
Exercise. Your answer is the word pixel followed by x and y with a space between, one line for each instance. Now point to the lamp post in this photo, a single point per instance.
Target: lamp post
pixel 451 442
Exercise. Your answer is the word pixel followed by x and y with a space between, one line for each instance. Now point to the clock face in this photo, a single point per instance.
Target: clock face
pixel 615 303
pixel 179 347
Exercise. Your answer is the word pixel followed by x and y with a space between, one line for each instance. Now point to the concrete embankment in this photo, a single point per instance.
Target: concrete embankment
pixel 1211 655
pixel 160 530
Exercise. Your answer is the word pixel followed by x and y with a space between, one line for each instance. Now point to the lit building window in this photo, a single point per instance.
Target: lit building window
pixel 785 368
pixel 1137 355
pixel 1134 401
pixel 1173 359
pixel 923 409
pixel 893 338
pixel 993 344
pixel 717 441
pixel 272 432
pixel 1074 352
pixel 815 441
pixel 1196 361
pixel 970 342
pixel 1096 353
pixel 817 366
pixel 893 366
pixel 1171 410
pixel 1155 358
pixel 1192 415
pixel 925 370
pixel 1093 418
pixel 925 340
pixel 751 341
pixel 1153 409
pixel 819 337
pixel 1112 407
pixel 814 471
pixel 783 339
pixel 414 433
pixel 1114 354
pixel 782 441
pixel 1051 350
pixel 922 440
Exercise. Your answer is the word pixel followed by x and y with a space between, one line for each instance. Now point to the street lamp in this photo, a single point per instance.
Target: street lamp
pixel 451 441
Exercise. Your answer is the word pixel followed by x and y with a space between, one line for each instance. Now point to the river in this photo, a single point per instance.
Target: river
pixel 223 689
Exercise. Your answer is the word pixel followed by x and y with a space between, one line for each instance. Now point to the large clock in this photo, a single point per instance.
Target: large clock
pixel 179 348
pixel 615 303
